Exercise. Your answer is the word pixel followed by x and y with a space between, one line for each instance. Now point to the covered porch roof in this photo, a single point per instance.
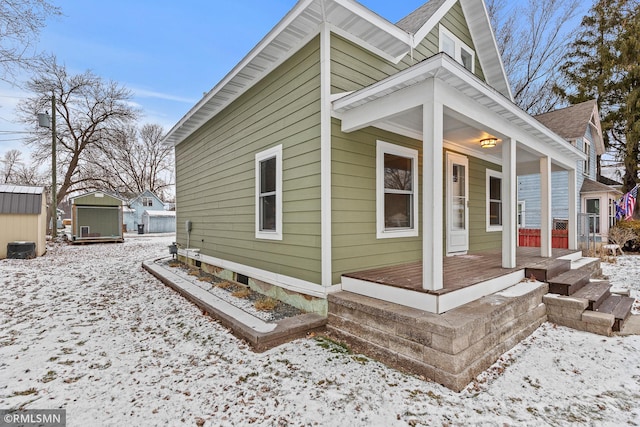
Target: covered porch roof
pixel 472 111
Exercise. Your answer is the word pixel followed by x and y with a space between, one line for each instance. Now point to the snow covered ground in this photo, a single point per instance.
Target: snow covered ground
pixel 86 329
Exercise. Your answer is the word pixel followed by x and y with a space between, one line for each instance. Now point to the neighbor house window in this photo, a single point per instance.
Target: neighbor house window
pixel 397 191
pixel 521 211
pixel 593 209
pixel 586 149
pixel 269 194
pixel 494 200
pixel 147 201
pixel 457 49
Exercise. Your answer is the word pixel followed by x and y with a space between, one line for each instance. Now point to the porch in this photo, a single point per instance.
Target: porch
pixel 465 278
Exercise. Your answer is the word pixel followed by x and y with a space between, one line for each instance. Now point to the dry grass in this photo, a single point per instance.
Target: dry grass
pixel 175 263
pixel 242 293
pixel 223 285
pixel 208 279
pixel 25 392
pixel 266 304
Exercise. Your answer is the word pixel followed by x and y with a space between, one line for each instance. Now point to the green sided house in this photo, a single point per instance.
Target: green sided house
pixel 349 156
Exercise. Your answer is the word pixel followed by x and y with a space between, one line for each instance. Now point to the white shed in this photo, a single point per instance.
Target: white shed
pixel 159 221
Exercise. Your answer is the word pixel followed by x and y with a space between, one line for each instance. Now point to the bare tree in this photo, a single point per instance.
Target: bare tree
pixel 10 164
pixel 87 108
pixel 15 171
pixel 20 24
pixel 532 41
pixel 129 161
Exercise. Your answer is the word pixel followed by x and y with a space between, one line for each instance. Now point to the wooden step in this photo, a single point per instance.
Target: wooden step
pixel 548 268
pixel 620 307
pixel 569 282
pixel 595 292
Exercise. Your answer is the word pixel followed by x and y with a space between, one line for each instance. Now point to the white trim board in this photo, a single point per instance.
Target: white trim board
pixel 437 304
pixel 286 282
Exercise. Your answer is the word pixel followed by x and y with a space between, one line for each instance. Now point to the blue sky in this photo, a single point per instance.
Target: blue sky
pixel 167 52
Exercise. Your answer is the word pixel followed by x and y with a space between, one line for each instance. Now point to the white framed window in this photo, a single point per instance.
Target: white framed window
pixel 593 209
pixel 147 201
pixel 457 49
pixel 396 191
pixel 494 200
pixel 586 149
pixel 521 213
pixel 269 194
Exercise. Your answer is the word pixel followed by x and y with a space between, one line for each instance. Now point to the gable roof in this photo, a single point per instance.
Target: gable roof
pixel 608 181
pixel 97 194
pixel 572 122
pixel 416 19
pixel 145 193
pixel 591 186
pixel 346 17
pixel 20 199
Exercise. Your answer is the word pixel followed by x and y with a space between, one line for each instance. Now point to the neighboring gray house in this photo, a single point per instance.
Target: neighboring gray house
pixel 580 125
pixel 143 202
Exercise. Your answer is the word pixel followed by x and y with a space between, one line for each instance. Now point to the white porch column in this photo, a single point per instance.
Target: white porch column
pixel 545 207
pixel 432 191
pixel 573 210
pixel 509 203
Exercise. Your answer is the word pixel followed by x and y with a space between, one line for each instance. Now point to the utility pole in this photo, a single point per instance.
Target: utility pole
pixel 54 187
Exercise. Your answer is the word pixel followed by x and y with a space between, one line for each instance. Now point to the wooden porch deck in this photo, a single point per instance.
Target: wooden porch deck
pixel 459 271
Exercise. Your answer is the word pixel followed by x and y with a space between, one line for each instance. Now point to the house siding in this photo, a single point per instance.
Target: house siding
pixel 215 173
pixel 529 189
pixel 355 245
pixel 353 68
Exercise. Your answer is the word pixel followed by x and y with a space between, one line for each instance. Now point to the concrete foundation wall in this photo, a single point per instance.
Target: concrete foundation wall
pixel 450 348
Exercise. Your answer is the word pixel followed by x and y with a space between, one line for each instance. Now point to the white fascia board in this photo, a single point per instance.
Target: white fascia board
pixel 558 151
pixel 381 108
pixel 376 20
pixel 480 28
pixel 564 154
pixel 359 42
pixel 432 22
pixel 487 91
pixel 284 23
pixel 404 78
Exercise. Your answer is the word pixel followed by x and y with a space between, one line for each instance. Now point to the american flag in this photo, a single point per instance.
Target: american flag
pixel 629 202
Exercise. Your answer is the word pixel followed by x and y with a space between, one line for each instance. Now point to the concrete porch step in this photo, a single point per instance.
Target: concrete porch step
pixel 569 282
pixel 595 292
pixel 545 270
pixel 587 264
pixel 620 306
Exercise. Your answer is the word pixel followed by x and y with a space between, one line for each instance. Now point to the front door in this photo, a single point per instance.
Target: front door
pixel 457 198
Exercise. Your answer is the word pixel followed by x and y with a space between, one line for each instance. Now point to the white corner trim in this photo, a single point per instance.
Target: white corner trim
pixel 408 298
pixel 325 157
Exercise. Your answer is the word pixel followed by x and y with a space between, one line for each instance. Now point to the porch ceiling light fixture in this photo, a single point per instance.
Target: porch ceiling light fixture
pixel 488 142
